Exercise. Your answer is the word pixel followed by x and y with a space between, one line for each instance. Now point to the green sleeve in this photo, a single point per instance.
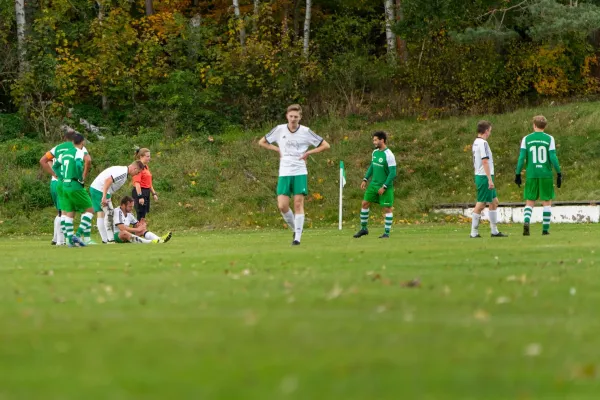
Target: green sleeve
pixel 522 156
pixel 554 161
pixel 369 172
pixel 391 176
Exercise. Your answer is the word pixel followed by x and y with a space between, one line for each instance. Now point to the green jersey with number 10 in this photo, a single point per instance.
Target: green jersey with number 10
pixel 538 152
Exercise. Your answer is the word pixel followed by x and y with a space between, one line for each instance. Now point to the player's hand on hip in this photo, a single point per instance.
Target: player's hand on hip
pixel 363 185
pixel 380 191
pixel 304 156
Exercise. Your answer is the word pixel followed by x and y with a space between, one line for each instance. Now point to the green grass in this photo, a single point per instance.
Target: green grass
pixel 231 182
pixel 245 315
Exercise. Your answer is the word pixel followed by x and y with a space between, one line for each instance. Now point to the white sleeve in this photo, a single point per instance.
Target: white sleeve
pixel 391 159
pixel 273 136
pixel 523 144
pixel 315 139
pixel 483 150
pixel 552 144
pixel 119 219
pixel 53 151
pixel 132 219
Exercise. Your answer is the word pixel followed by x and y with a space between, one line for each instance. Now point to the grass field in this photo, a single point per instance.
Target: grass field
pixel 246 316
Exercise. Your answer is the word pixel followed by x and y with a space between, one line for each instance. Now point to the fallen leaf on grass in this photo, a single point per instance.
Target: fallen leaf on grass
pixel 335 292
pixel 502 300
pixel 481 315
pixel 412 283
pixel 533 350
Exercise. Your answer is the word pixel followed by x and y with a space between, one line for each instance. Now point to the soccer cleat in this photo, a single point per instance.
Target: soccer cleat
pixel 296 243
pixel 526 230
pixel 475 237
pixel 53 243
pixel 76 241
pixel 385 236
pixel 545 233
pixel 360 233
pixel 89 242
pixel 499 234
pixel 166 238
pixel 156 241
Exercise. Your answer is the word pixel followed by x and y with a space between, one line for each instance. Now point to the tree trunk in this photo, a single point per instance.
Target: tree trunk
pixel 21 26
pixel 390 36
pixel 101 18
pixel 256 14
pixel 307 27
pixel 284 28
pixel 296 19
pixel 149 7
pixel 238 18
pixel 401 43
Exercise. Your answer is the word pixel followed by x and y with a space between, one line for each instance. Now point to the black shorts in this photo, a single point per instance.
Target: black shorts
pixel 141 210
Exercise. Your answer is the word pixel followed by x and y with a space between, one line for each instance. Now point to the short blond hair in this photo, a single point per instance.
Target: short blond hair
pixel 294 107
pixel 540 121
pixel 139 153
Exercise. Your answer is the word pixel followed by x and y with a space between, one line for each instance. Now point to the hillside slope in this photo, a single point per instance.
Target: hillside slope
pixel 229 182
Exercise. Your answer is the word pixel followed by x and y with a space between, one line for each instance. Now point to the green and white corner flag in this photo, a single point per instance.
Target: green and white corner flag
pixel 342 184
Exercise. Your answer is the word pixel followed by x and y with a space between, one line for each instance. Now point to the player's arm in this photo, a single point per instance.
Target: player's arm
pixel 521 162
pixel 107 182
pixel 554 161
pixel 124 228
pixel 45 163
pixel 87 161
pixel 369 173
pixel 486 168
pixel 391 176
pixel 264 143
pixel 321 147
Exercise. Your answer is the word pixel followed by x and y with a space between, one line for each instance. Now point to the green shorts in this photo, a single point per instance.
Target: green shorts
pixel 539 189
pixel 96 196
pixel 54 193
pixel 484 194
pixel 118 239
pixel 75 198
pixel 292 185
pixel 384 200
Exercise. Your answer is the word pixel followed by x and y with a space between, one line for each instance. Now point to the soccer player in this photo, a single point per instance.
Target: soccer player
pixel 74 197
pixel 381 188
pixel 293 141
pixel 483 161
pixel 538 153
pixel 129 230
pixel 48 164
pixel 108 182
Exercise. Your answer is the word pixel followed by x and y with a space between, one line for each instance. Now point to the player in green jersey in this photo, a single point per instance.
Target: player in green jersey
pixel 381 189
pixel 74 197
pixel 47 163
pixel 538 154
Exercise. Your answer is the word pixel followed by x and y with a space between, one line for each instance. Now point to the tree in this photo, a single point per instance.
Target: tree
pixel 389 34
pixel 149 7
pixel 401 43
pixel 239 22
pixel 307 27
pixel 21 26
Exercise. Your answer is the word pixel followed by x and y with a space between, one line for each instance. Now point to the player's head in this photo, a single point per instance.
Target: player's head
pixel 379 139
pixel 127 204
pixel 540 122
pixel 484 129
pixel 78 140
pixel 135 168
pixel 294 114
pixel 143 155
pixel 68 135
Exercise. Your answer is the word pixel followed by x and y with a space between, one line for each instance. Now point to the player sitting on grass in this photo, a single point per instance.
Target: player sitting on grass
pixel 127 227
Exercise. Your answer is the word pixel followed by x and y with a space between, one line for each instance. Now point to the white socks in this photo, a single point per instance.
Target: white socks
pixel 102 229
pixel 288 217
pixel 475 224
pixel 59 236
pixel 494 221
pixel 299 225
pixel 151 236
pixel 137 239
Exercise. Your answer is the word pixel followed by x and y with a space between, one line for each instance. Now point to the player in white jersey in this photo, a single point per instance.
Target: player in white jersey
pixel 483 162
pixel 108 182
pixel 293 141
pixel 129 230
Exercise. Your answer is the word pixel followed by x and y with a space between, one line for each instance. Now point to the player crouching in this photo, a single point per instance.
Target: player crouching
pixel 127 227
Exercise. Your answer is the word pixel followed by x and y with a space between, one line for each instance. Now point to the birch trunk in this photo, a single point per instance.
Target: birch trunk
pixel 307 27
pixel 21 26
pixel 390 36
pixel 238 18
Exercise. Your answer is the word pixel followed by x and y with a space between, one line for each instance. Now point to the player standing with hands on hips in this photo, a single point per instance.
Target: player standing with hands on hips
pixel 293 141
pixel 538 153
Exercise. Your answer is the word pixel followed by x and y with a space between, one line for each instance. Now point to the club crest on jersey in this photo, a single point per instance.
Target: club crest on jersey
pixel 381 160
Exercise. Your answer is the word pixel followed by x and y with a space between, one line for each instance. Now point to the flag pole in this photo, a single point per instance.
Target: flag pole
pixel 341 194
